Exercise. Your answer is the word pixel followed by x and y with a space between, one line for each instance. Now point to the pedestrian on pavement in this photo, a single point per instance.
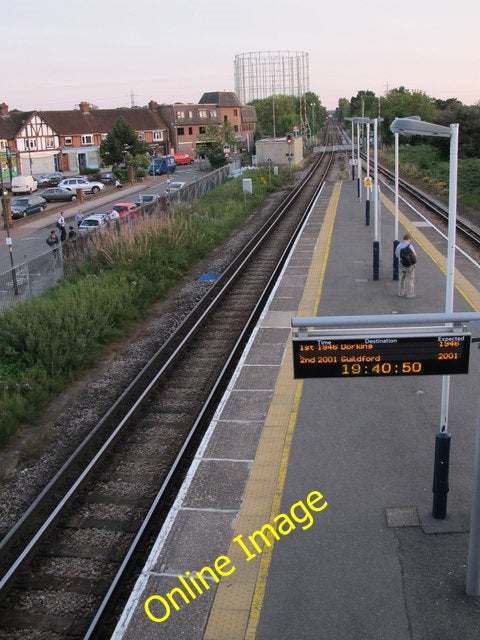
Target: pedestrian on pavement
pixel 71 233
pixel 61 227
pixel 53 242
pixel 407 258
pixel 79 218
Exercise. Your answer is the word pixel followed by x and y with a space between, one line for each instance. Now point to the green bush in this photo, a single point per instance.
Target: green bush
pixel 88 171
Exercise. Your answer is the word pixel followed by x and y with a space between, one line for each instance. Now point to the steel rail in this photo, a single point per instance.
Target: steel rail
pixel 18 530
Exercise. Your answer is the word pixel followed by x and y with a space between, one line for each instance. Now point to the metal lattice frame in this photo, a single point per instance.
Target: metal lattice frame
pixel 261 74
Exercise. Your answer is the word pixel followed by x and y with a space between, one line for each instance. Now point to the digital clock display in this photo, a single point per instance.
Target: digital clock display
pixel 326 357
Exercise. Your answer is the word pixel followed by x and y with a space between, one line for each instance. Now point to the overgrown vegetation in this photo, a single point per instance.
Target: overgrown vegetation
pixel 423 164
pixel 45 342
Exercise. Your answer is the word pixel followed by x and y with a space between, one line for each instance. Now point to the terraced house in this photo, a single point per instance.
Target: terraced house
pixel 42 141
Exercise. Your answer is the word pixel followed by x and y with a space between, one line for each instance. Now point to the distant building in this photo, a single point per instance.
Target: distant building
pixel 277 151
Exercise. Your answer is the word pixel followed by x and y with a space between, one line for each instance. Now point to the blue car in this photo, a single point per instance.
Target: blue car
pixel 163 164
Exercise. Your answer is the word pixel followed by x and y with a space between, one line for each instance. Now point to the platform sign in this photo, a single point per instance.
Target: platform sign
pixel 381 356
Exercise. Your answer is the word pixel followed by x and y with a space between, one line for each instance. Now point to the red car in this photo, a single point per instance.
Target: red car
pixel 183 158
pixel 121 209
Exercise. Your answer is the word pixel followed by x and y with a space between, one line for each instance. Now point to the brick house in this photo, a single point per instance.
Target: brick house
pixel 81 132
pixel 242 117
pixel 186 124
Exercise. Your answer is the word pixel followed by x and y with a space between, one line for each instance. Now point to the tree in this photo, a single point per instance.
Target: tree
pixel 401 103
pixel 316 115
pixel 213 140
pixel 287 111
pixel 343 110
pixel 122 144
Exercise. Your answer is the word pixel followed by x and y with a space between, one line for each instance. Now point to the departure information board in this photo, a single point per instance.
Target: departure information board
pixel 381 356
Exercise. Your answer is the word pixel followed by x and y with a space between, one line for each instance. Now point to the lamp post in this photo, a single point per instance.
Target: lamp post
pixel 312 104
pixel 415 126
pixel 8 239
pixel 358 122
pixel 353 148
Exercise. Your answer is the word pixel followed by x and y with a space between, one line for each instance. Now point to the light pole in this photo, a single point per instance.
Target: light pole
pixel 8 239
pixel 358 122
pixel 312 104
pixel 415 126
pixel 353 148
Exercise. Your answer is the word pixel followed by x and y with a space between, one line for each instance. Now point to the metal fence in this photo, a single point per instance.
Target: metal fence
pixel 30 278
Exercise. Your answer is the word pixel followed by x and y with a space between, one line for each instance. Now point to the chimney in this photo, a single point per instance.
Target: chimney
pixel 84 107
pixel 152 105
pixel 4 109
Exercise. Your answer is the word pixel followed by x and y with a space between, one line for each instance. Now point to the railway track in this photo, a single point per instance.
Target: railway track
pixel 430 205
pixel 67 561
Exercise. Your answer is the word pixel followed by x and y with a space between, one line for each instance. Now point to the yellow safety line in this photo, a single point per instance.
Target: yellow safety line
pixel 464 287
pixel 238 601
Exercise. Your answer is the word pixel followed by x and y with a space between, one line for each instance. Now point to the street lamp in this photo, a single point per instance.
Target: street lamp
pixel 415 127
pixel 312 104
pixel 8 239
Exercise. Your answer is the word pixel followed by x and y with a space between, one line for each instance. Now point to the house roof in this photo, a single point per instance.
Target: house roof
pixel 102 120
pixel 221 98
pixel 11 123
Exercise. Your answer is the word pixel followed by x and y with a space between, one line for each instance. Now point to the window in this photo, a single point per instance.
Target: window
pixel 213 114
pixel 87 139
pixel 157 135
pixel 68 140
pixel 190 114
pixel 235 128
pixel 235 112
pixel 202 130
pixel 180 131
pixel 31 143
pixel 180 114
pixel 190 131
pixel 202 113
pixel 141 135
pixel 49 143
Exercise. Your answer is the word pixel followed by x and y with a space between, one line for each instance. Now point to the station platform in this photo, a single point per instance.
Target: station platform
pixel 348 462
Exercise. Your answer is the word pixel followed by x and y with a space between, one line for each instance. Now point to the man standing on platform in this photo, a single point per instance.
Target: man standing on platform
pixel 407 257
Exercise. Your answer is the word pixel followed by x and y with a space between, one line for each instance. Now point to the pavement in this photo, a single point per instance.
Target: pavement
pixel 369 562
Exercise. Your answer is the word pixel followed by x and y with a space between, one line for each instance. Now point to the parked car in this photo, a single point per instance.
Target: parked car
pixel 175 186
pixel 146 198
pixel 122 208
pixel 50 179
pixel 95 221
pixel 162 164
pixel 23 184
pixel 27 205
pixel 106 176
pixel 183 158
pixel 81 183
pixel 58 194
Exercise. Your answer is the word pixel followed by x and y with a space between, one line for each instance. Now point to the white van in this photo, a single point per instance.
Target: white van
pixel 23 184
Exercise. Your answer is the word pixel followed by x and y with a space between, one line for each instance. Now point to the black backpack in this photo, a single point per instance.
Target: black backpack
pixel 407 257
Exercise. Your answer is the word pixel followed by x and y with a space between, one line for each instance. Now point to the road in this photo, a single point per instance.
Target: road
pixel 28 235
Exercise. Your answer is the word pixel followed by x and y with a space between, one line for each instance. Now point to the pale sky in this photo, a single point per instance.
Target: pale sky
pixel 58 53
